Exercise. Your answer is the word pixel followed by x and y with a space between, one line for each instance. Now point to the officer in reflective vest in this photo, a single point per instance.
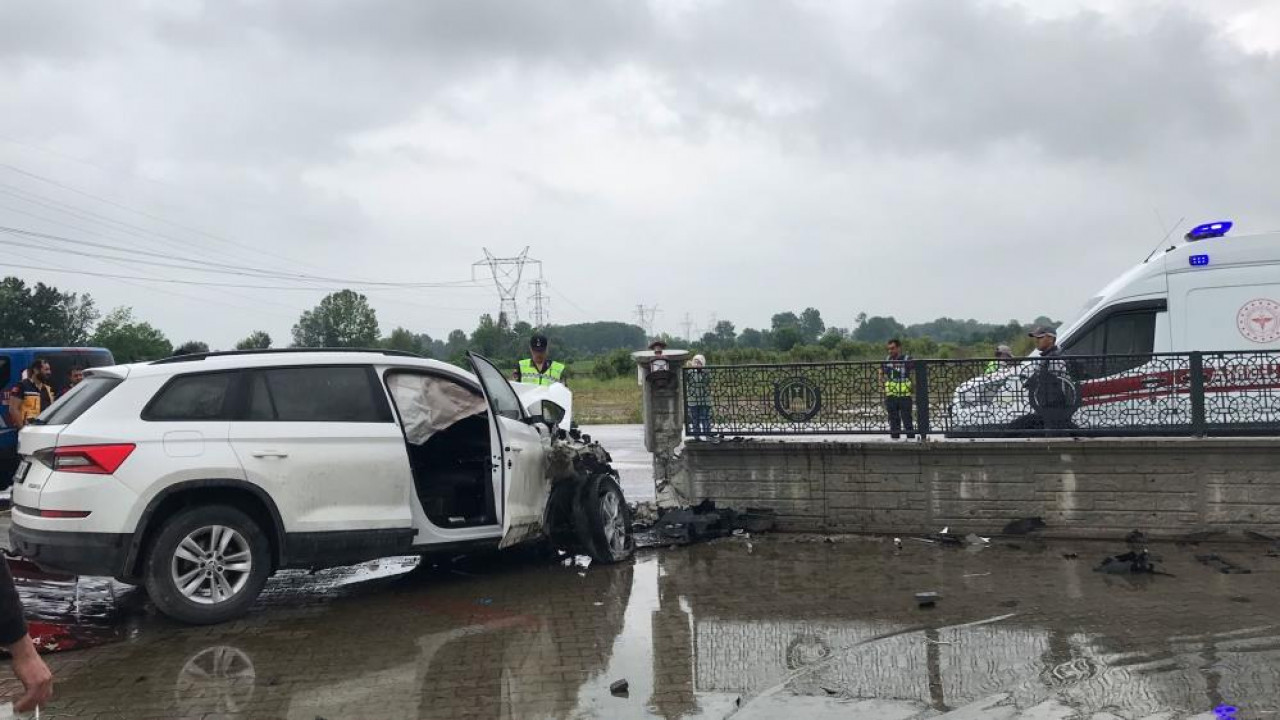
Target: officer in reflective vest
pixel 539 369
pixel 896 372
pixel 1004 357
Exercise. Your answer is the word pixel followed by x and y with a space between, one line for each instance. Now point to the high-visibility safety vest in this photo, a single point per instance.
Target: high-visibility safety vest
pixel 992 366
pixel 530 374
pixel 897 376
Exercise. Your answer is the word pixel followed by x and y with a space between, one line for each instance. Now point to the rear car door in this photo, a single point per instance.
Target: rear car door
pixel 323 442
pixel 519 456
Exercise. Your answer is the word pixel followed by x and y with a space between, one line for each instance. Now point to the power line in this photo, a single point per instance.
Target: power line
pixel 645 317
pixel 223 268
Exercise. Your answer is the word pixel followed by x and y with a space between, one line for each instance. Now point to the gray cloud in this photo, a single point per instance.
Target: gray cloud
pixel 781 140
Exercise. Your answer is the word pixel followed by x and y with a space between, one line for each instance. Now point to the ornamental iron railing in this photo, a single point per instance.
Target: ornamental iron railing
pixel 1201 393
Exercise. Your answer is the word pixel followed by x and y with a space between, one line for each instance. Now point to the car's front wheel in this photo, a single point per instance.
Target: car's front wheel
pixel 603 520
pixel 207 564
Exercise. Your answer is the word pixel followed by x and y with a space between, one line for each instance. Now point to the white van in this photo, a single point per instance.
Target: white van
pixel 1211 293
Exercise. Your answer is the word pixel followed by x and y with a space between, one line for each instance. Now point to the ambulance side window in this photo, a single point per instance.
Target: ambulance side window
pixel 1127 336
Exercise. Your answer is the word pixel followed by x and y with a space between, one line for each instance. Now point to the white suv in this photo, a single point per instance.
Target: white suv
pixel 200 475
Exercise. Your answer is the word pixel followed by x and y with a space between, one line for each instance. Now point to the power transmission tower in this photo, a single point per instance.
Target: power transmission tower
pixel 506 273
pixel 541 304
pixel 645 317
pixel 688 328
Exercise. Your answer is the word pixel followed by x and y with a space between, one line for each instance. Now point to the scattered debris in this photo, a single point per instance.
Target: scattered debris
pixel 1240 599
pixel 1221 564
pixel 831 692
pixel 927 599
pixel 644 515
pixel 1024 526
pixel 682 526
pixel 1070 556
pixel 598 604
pixel 582 561
pixel 897 543
pixel 620 688
pixel 1132 562
pixel 1136 540
pixel 1009 604
pixel 974 575
pixel 945 537
pixel 974 539
pixel 484 601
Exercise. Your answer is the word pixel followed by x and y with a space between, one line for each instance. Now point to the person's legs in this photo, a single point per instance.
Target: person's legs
pixel 904 405
pixel 895 421
pixel 701 420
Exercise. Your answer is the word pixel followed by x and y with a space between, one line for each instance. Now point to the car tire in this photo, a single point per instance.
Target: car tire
pixel 207 565
pixel 602 520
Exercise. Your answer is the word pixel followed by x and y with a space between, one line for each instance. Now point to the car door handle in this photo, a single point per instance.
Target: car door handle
pixel 269 454
pixel 1154 382
pixel 513 450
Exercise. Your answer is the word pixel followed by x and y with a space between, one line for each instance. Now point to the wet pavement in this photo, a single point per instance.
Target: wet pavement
pixel 766 627
pixel 634 464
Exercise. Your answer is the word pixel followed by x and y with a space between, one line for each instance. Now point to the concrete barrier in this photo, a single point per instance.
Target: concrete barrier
pixel 1086 488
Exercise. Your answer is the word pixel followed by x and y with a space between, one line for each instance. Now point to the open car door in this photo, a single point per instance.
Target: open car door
pixel 519 456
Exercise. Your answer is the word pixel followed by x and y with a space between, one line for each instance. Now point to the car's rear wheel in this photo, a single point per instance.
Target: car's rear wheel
pixel 603 520
pixel 207 564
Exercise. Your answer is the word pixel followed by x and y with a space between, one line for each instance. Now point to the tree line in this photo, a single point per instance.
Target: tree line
pixel 42 315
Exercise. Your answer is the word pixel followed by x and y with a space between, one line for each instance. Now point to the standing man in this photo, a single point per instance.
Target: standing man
pixel 539 369
pixel 33 395
pixel 896 372
pixel 1052 394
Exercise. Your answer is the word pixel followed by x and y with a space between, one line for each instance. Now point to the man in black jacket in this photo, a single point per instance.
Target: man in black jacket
pixel 1052 393
pixel 27 665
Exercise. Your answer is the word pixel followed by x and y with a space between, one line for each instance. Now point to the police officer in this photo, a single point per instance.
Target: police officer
pixel 1004 356
pixel 33 395
pixel 539 369
pixel 896 373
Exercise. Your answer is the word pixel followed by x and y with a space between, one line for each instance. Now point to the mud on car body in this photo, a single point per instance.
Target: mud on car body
pixel 200 476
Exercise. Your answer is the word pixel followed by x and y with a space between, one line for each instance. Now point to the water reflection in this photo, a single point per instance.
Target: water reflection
pixel 698 630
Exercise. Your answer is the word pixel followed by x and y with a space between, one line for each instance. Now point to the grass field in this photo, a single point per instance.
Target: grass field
pixel 606 402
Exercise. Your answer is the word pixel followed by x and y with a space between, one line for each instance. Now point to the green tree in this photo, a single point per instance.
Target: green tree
pixel 407 341
pixel 130 340
pixel 811 325
pixel 258 340
pixel 191 347
pixel 754 339
pixel 341 320
pixel 455 345
pixel 722 337
pixel 43 315
pixel 878 329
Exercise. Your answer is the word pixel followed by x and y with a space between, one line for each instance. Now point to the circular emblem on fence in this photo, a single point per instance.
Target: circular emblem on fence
pixel 797 399
pixel 1259 320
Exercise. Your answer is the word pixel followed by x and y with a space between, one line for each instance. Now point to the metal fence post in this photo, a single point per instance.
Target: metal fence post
pixel 922 398
pixel 1197 394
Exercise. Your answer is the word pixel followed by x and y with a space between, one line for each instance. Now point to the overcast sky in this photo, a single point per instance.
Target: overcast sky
pixel 969 158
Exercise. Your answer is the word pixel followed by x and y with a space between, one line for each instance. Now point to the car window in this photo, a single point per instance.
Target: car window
pixel 77 400
pixel 319 394
pixel 502 397
pixel 192 397
pixel 62 362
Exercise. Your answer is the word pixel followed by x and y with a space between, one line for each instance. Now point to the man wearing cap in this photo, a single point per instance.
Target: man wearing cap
pixel 539 369
pixel 1052 394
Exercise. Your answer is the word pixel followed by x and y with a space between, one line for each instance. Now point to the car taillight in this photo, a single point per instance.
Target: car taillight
pixel 87 459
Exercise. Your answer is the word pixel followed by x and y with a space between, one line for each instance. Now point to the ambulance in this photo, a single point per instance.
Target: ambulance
pixel 1210 293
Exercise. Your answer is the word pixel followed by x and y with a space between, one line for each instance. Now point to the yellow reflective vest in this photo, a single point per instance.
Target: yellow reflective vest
pixel 897 376
pixel 530 374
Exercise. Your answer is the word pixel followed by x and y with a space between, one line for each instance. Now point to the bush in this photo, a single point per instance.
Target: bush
pixel 616 363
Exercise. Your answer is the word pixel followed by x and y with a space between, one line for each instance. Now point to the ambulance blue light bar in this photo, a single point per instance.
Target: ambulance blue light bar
pixel 1199 260
pixel 1210 230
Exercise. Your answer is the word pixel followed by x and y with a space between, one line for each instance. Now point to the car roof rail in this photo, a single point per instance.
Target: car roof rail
pixel 193 357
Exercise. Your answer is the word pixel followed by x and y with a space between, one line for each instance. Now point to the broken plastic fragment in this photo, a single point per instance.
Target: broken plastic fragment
pixel 619 688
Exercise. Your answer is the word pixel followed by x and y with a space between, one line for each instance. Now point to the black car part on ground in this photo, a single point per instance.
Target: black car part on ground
pixel 704 521
pixel 1223 565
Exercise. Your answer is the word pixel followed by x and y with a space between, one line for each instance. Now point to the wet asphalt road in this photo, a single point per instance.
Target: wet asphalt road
pixel 634 464
pixel 763 628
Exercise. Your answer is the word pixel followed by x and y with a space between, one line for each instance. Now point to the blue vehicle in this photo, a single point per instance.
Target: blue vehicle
pixel 13 363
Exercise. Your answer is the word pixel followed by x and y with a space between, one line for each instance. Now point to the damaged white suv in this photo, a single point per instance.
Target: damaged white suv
pixel 199 476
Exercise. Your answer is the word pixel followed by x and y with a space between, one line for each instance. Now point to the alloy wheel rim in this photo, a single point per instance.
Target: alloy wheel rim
pixel 211 565
pixel 615 522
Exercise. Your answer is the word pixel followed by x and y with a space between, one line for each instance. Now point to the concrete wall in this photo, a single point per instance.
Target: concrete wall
pixel 1091 488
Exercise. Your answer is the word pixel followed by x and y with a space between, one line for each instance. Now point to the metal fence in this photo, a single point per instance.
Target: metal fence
pixel 1201 393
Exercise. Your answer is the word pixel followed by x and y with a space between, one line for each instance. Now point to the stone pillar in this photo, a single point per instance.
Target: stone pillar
pixel 663 391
